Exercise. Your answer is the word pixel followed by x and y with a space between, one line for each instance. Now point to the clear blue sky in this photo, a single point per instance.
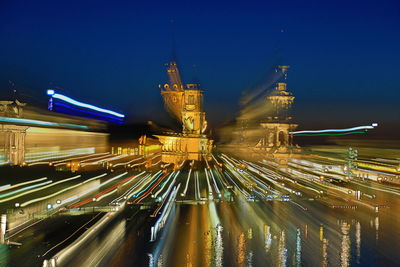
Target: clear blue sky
pixel 344 55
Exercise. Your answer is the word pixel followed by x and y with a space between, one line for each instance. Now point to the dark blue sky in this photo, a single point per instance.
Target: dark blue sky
pixel 344 55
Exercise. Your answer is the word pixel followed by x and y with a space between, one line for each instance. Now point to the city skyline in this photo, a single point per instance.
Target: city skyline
pixel 172 133
pixel 118 51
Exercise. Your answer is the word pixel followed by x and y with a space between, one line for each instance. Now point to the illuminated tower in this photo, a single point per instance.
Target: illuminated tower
pixel 281 100
pixel 278 122
pixel 193 117
pixel 185 103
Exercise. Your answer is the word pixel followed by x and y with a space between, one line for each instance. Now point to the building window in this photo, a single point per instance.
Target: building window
pixel 191 100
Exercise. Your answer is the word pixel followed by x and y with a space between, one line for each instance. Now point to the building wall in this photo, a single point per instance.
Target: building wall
pixel 2 145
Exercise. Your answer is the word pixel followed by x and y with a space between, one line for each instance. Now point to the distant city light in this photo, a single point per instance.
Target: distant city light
pixel 80 104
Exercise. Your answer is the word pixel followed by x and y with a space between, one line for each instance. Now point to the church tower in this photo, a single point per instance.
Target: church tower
pixel 185 103
pixel 193 116
pixel 278 122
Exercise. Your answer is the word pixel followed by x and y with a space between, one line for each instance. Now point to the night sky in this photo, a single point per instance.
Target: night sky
pixel 344 55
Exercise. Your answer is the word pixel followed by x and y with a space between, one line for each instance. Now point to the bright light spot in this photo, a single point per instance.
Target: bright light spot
pixel 50 92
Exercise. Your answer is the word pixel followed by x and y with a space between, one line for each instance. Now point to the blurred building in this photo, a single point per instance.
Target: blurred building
pixel 31 134
pixel 277 125
pixel 148 145
pixel 185 103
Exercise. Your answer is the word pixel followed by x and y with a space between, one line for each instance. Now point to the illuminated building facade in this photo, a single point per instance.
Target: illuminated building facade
pixel 12 135
pixel 28 134
pixel 277 125
pixel 185 103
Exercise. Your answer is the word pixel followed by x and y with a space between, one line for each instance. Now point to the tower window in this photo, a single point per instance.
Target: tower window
pixel 191 100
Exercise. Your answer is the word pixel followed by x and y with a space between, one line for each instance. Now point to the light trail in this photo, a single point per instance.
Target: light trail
pixel 198 186
pixel 214 182
pixel 164 215
pixel 24 193
pixel 187 183
pixel 164 184
pixel 337 130
pixel 210 192
pixel 131 189
pixel 70 199
pixel 8 187
pixel 59 192
pixel 81 104
pixel 100 195
pixel 42 123
pixel 41 188
pixel 164 196
pixel 330 134
pixel 144 193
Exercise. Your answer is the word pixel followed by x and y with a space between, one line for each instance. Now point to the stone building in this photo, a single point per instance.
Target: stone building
pixel 185 103
pixel 30 134
pixel 277 125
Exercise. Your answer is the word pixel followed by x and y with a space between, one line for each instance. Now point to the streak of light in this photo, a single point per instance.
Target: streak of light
pixel 24 189
pixel 106 194
pixel 61 191
pixel 330 134
pixel 8 187
pixel 84 105
pixel 41 188
pixel 210 192
pixel 90 189
pixel 164 196
pixel 187 183
pixel 164 215
pixel 42 123
pixel 336 130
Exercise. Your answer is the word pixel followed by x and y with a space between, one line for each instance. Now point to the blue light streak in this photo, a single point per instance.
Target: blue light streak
pixel 337 130
pixel 42 123
pixel 65 108
pixel 80 104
